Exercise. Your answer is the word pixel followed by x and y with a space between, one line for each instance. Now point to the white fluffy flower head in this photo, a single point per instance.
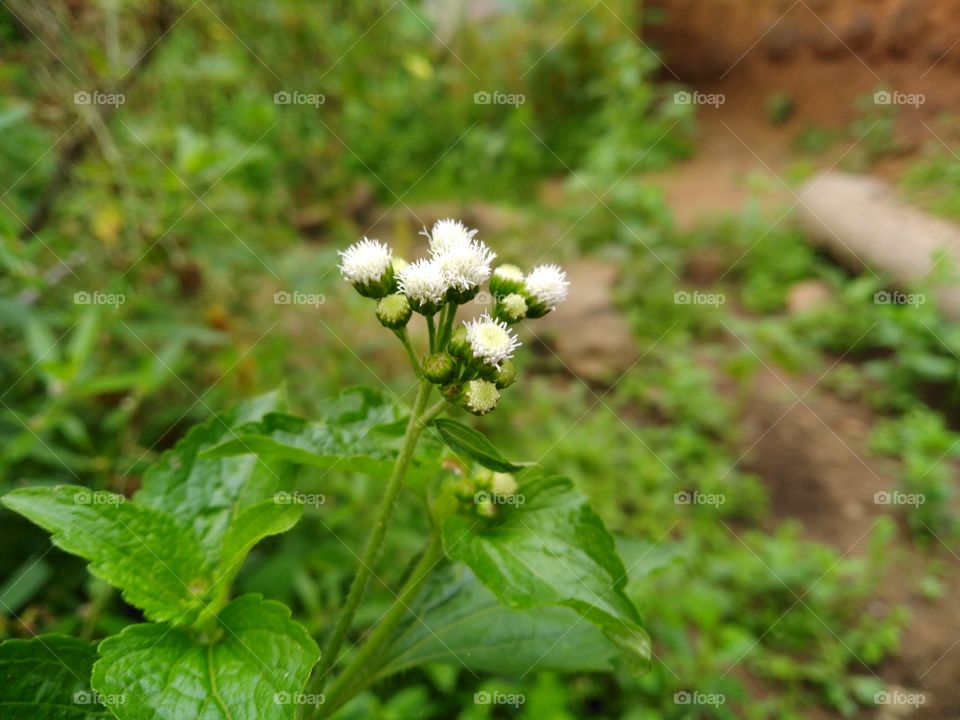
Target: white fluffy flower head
pixel 547 284
pixel 423 282
pixel 491 340
pixel 465 266
pixel 365 261
pixel 447 235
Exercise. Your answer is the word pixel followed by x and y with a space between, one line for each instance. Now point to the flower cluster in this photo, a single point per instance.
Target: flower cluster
pixel 471 363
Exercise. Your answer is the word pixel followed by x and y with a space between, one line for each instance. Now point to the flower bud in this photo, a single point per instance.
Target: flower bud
pixel 503 484
pixel 512 308
pixel 439 368
pixel 459 296
pixel 452 392
pixel 480 397
pixel 505 280
pixel 459 346
pixel 393 311
pixel 483 504
pixel 506 375
pixel 465 489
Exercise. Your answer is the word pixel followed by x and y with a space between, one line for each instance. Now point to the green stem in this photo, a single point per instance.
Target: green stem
pixel 447 329
pixel 432 330
pixel 363 662
pixel 365 568
pixel 411 353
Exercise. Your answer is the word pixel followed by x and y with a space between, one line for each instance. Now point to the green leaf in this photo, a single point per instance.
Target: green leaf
pixel 255 670
pixel 457 620
pixel 550 548
pixel 344 439
pixel 305 442
pixel 48 678
pixel 155 561
pixel 174 550
pixel 208 493
pixel 467 441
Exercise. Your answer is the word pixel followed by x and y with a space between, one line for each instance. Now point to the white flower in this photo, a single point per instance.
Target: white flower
pixel 481 396
pixel 447 235
pixel 465 266
pixel 547 285
pixel 365 261
pixel 491 340
pixel 422 281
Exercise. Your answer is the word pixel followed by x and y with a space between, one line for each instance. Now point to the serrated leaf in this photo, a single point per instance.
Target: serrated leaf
pixel 457 620
pixel 255 670
pixel 153 559
pixel 305 442
pixel 48 678
pixel 552 549
pixel 343 439
pixel 474 445
pixel 208 493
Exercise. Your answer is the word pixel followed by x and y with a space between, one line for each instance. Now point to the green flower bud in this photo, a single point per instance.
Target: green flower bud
pixel 439 368
pixel 452 392
pixel 506 279
pixel 506 375
pixel 504 484
pixel 484 506
pixel 459 297
pixel 458 345
pixel 464 489
pixel 480 396
pixel 512 308
pixel 393 311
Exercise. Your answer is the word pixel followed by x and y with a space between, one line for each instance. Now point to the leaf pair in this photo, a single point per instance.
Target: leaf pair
pixel 173 551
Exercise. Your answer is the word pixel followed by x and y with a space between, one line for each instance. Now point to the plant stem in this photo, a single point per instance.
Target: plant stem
pixel 363 662
pixel 365 568
pixel 447 330
pixel 411 353
pixel 431 329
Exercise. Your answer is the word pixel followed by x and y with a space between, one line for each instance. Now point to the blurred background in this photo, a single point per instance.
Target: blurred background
pixel 755 378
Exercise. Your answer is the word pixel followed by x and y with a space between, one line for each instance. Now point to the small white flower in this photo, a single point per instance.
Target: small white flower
pixel 365 261
pixel 447 235
pixel 491 340
pixel 422 281
pixel 547 284
pixel 465 266
pixel 509 272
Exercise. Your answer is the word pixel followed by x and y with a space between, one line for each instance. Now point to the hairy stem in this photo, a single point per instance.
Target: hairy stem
pixel 363 662
pixel 374 542
pixel 411 353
